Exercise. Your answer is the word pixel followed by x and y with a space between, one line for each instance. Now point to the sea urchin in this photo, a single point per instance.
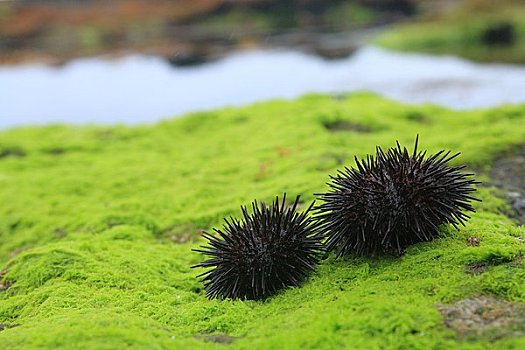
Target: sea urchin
pixel 393 200
pixel 253 258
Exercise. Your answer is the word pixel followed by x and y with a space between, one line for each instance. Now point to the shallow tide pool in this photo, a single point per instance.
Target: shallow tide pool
pixel 139 89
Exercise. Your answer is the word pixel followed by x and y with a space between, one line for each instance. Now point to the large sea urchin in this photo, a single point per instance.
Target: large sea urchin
pixel 394 200
pixel 270 249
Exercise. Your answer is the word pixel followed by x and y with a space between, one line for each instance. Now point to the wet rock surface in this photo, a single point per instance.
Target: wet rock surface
pixel 508 174
pixel 216 338
pixel 485 316
pixel 4 326
pixel 188 33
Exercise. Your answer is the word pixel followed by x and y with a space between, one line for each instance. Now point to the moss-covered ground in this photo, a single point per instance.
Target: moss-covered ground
pixel 97 226
pixel 463 32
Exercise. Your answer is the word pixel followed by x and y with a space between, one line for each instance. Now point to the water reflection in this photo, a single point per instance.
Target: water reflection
pixel 145 89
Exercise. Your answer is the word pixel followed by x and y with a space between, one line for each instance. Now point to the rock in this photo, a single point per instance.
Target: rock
pixel 499 34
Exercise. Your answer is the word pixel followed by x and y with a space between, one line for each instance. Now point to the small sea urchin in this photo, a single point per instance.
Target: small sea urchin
pixel 394 200
pixel 270 249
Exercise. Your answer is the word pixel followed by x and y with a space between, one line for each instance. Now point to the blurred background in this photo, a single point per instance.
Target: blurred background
pixel 131 61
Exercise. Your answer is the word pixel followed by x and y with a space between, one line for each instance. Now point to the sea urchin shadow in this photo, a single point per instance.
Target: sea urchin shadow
pixel 393 200
pixel 253 258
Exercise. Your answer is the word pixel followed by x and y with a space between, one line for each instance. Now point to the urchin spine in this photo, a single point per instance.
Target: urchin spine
pixel 393 200
pixel 253 258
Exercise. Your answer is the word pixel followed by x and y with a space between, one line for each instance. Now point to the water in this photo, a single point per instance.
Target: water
pixel 140 89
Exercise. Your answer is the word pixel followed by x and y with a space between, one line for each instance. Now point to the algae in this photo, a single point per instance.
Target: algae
pixel 96 239
pixel 486 31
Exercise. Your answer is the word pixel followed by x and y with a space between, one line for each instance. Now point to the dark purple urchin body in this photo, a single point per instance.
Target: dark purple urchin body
pixel 394 200
pixel 270 249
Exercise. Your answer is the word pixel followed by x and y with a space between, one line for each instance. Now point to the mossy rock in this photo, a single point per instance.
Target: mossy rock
pixel 492 31
pixel 96 239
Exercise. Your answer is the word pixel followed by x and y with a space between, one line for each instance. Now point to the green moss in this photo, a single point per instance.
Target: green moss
pixel 347 15
pixel 250 21
pixel 6 12
pixel 90 38
pixel 92 219
pixel 461 33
